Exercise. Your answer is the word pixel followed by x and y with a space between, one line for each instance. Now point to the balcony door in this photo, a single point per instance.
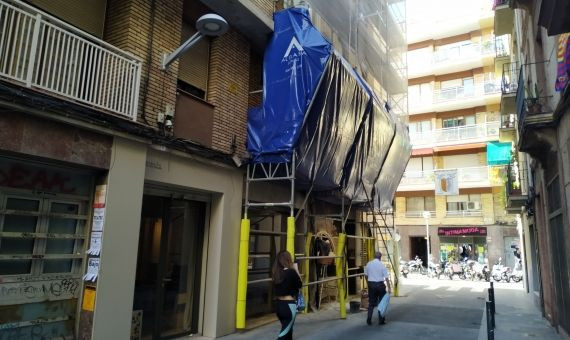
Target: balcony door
pixel 167 286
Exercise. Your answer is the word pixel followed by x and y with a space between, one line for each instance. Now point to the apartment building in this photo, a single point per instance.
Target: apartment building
pixel 454 96
pixel 120 201
pixel 535 98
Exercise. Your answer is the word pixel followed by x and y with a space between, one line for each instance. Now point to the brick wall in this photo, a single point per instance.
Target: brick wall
pixel 228 90
pixel 266 6
pixel 128 26
pixel 255 79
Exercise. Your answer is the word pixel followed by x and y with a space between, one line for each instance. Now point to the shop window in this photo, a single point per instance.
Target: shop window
pixel 464 205
pixel 40 235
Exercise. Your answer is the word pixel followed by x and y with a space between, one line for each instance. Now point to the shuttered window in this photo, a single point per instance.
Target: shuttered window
pixel 194 64
pixel 88 15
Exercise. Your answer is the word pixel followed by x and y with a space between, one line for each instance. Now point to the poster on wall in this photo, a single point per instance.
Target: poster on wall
pixel 446 182
pixel 98 219
pixel 92 270
pixel 100 196
pixel 95 244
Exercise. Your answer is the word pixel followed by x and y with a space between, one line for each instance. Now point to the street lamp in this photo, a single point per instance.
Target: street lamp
pixel 427 215
pixel 211 25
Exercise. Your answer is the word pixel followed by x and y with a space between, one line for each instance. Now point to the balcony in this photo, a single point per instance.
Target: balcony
pixel 458 97
pixel 504 15
pixel 509 86
pixel 451 59
pixel 516 189
pixel 418 214
pixel 464 213
pixel 472 177
pixel 456 135
pixel 44 53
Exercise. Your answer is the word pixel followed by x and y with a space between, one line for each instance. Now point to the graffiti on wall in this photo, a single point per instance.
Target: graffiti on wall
pixel 37 291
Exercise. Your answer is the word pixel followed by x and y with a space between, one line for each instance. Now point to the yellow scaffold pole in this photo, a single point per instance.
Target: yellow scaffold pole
pixel 306 268
pixel 242 273
pixel 340 274
pixel 291 236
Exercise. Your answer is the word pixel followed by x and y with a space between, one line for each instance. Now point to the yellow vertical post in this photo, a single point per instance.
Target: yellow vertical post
pixel 242 273
pixel 396 258
pixel 370 250
pixel 339 261
pixel 306 268
pixel 291 236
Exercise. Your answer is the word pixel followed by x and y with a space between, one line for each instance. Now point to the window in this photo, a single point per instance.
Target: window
pixel 421 94
pixel 419 127
pixel 420 164
pixel 193 66
pixel 47 235
pixel 417 205
pixel 463 203
pixel 459 121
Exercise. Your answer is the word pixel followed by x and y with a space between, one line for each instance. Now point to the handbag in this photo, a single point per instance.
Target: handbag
pixel 300 302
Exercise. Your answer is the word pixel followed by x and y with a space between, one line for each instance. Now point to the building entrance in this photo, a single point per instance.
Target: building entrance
pixel 418 246
pixel 167 287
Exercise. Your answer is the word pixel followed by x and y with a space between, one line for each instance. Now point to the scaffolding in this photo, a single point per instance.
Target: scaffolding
pixel 374 223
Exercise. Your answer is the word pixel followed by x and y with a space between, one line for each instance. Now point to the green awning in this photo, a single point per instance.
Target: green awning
pixel 498 153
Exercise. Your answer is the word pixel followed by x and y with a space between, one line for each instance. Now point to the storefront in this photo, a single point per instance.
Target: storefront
pixel 44 220
pixel 464 242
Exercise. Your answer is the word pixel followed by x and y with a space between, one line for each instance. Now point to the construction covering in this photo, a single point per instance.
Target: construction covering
pixel 317 106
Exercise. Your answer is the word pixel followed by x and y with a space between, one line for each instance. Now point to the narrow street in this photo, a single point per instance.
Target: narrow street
pixel 428 308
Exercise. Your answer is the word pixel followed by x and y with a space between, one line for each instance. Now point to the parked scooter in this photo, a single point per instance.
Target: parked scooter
pixel 452 269
pixel 517 274
pixel 434 270
pixel 479 271
pixel 500 272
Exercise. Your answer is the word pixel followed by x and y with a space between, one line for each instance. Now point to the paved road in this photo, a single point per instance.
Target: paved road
pixel 429 309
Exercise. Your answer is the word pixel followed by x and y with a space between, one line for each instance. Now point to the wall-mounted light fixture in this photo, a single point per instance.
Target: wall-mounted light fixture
pixel 207 25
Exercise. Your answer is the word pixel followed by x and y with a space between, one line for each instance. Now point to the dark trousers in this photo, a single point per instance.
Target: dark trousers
pixel 286 312
pixel 376 291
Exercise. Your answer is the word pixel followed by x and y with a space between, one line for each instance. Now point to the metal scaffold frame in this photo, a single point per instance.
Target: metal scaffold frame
pixel 285 172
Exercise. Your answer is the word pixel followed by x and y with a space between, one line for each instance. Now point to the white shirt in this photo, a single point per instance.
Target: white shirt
pixel 376 271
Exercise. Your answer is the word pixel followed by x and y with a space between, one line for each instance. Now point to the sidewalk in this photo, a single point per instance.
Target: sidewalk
pixel 517 317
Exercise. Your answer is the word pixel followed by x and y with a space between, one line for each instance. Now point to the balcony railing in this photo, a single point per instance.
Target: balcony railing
pixel 459 133
pixel 464 51
pixel 427 177
pixel 464 213
pixel 42 52
pixel 461 92
pixel 510 78
pixel 417 214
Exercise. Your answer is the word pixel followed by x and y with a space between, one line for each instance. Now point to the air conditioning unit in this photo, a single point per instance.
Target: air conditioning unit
pixel 473 205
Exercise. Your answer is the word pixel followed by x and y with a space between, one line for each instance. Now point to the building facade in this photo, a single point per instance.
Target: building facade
pixel 121 190
pixel 535 95
pixel 113 223
pixel 454 93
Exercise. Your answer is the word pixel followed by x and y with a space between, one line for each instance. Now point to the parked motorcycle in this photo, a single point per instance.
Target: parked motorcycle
pixel 479 271
pixel 434 270
pixel 416 265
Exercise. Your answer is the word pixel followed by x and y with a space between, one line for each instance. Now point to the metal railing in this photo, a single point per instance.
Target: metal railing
pixel 464 51
pixel 464 213
pixel 43 52
pixel 461 92
pixel 510 78
pixel 516 182
pixel 418 214
pixel 470 174
pixel 459 133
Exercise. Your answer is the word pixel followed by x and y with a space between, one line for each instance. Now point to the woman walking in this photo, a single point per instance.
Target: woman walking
pixel 287 284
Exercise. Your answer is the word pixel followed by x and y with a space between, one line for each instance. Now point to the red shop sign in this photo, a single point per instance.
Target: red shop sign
pixel 463 231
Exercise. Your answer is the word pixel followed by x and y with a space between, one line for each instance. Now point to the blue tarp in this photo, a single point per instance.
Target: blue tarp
pixel 317 106
pixel 294 62
pixel 499 153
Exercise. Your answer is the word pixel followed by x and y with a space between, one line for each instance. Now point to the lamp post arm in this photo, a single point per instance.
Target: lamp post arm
pixel 170 58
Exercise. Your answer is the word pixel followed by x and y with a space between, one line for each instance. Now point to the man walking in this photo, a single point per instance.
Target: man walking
pixel 377 278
